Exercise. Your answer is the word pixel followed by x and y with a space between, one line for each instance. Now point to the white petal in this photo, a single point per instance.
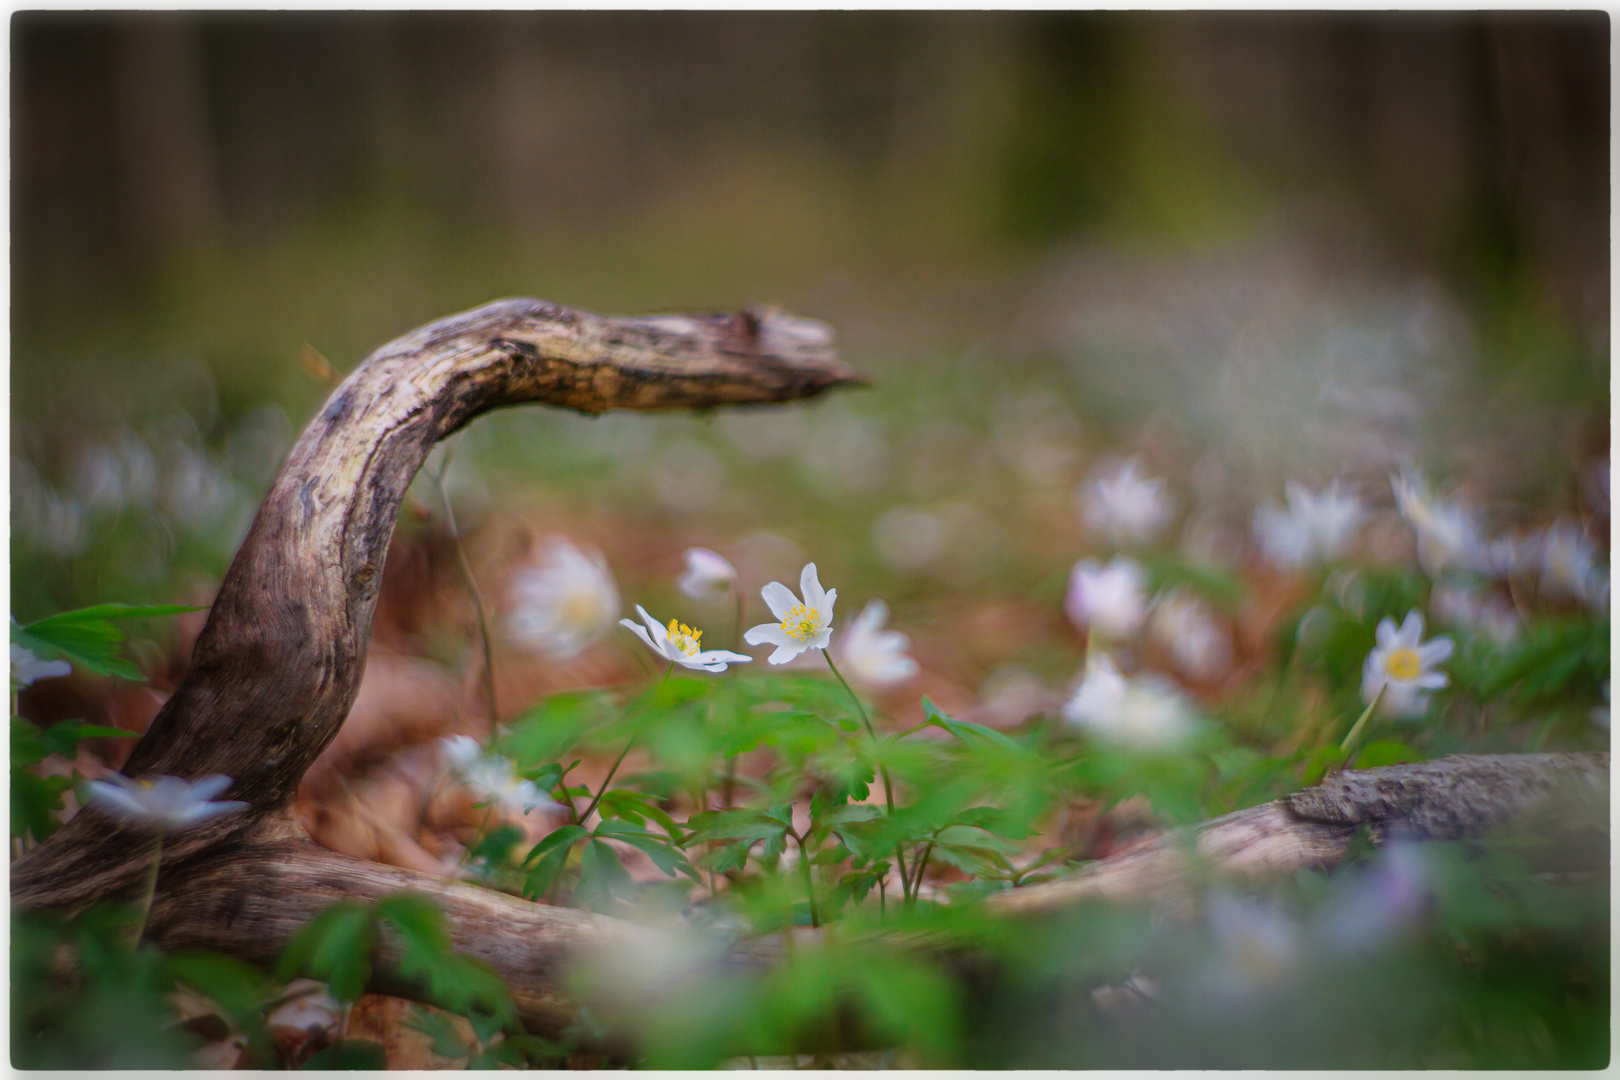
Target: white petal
pixel 722 656
pixel 767 634
pixel 116 800
pixel 825 607
pixel 810 587
pixel 641 632
pixel 786 652
pixel 1411 629
pixel 1437 651
pixel 779 598
pixel 1431 680
pixel 209 786
pixel 1385 633
pixel 871 617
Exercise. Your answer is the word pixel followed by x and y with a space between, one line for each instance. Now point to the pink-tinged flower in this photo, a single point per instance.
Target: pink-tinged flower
pixel 1391 894
pixel 1199 645
pixel 1402 667
pixel 1124 505
pixel 1567 561
pixel 1316 526
pixel 166 801
pixel 564 602
pixel 680 643
pixel 873 655
pixel 1106 600
pixel 804 625
pixel 708 575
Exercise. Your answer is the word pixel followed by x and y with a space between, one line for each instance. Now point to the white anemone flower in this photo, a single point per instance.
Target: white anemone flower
pixel 804 625
pixel 1106 600
pixel 1201 648
pixel 492 776
pixel 1317 525
pixel 165 801
pixel 1447 532
pixel 873 655
pixel 708 575
pixel 1145 712
pixel 1567 563
pixel 1124 505
pixel 564 602
pixel 680 643
pixel 1402 666
pixel 1490 616
pixel 27 669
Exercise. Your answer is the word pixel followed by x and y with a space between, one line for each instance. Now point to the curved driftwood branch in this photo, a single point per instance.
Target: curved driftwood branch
pixel 279 662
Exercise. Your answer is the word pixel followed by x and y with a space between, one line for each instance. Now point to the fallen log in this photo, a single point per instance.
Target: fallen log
pixel 278 664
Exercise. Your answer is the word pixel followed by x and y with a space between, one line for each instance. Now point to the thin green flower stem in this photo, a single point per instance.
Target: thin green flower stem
pixel 603 789
pixel 472 587
pixel 888 785
pixel 151 887
pixel 809 882
pixel 1361 722
pixel 917 877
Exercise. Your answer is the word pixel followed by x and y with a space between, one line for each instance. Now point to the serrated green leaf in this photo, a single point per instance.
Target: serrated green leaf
pixel 334 946
pixel 553 840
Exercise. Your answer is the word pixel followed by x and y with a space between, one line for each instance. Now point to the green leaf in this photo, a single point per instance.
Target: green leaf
pixel 35 801
pixel 335 946
pixel 664 856
pixel 64 738
pixel 494 848
pixel 545 872
pixel 963 730
pixel 88 637
pixel 601 876
pixel 553 840
pixel 447 1041
pixel 237 986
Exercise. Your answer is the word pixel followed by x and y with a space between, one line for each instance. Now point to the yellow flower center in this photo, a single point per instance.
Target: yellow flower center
pixel 1403 664
pixel 684 638
pixel 801 623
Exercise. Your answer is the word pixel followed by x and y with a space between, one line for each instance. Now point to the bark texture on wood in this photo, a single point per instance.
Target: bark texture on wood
pixel 1445 799
pixel 278 664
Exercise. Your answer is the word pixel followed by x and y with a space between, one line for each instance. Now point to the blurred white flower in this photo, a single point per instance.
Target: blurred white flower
pixel 1373 906
pixel 708 575
pixel 1402 666
pixel 806 625
pixel 1566 561
pixel 167 801
pixel 1106 600
pixel 1447 532
pixel 1145 712
pixel 492 776
pixel 680 644
pixel 1259 948
pixel 565 602
pixel 1488 615
pixel 1124 505
pixel 1199 645
pixel 873 655
pixel 26 668
pixel 1316 526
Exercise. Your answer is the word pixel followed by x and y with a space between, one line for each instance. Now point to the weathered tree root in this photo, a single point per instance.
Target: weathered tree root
pixel 277 666
pixel 1445 799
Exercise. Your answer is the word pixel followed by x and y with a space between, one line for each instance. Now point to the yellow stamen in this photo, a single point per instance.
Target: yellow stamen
pixel 1403 664
pixel 684 638
pixel 801 623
